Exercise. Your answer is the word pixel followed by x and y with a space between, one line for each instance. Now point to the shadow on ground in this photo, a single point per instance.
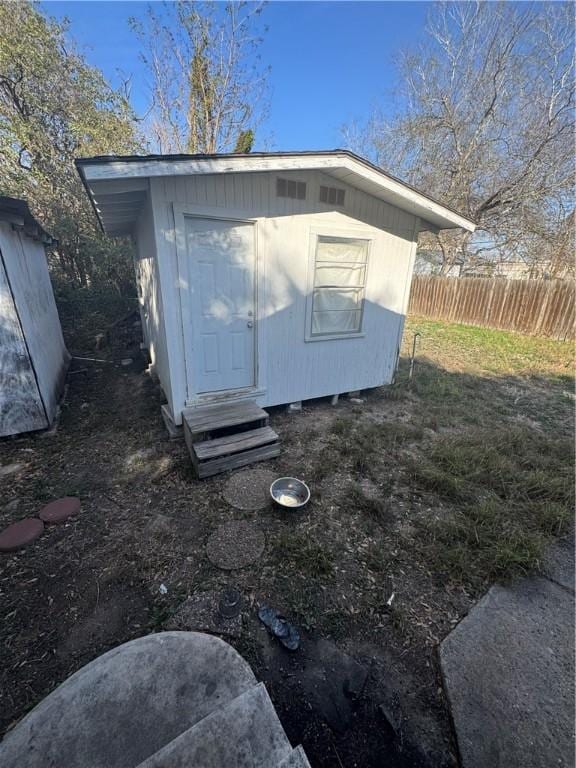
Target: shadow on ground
pixel 95 582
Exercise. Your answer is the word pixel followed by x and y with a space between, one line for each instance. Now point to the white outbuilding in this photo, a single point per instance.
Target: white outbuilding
pixel 270 277
pixel 33 358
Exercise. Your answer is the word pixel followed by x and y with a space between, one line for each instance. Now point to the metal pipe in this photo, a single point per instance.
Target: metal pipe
pixel 412 357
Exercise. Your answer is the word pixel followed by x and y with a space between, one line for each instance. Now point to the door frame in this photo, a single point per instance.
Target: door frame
pixel 232 216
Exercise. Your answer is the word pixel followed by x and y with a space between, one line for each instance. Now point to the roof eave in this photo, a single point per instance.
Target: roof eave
pixel 433 214
pixel 16 212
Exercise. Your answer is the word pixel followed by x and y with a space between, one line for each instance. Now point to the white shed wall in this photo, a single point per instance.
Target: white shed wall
pixel 289 368
pixel 27 274
pixel 150 298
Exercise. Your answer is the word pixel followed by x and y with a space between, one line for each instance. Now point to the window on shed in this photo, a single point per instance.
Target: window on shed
pixel 331 195
pixel 339 284
pixel 291 188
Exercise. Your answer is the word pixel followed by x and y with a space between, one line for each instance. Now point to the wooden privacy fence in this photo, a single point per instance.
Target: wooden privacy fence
pixel 535 307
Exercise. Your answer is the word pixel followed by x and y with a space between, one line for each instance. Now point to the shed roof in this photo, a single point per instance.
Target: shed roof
pixel 117 184
pixel 17 213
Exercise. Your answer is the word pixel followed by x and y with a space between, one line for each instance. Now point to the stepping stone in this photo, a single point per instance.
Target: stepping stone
pixel 60 510
pixel 200 613
pixel 20 534
pixel 235 545
pixel 249 489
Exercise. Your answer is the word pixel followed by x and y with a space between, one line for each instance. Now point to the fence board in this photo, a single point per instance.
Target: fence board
pixel 535 307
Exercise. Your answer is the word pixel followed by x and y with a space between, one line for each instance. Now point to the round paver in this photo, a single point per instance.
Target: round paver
pixel 235 544
pixel 21 533
pixel 60 510
pixel 249 489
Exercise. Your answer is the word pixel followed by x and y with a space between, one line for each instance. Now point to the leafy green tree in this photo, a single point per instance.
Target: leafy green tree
pixel 54 107
pixel 244 142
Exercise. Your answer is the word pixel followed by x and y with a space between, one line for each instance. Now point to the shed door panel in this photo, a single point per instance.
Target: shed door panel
pixel 21 408
pixel 221 269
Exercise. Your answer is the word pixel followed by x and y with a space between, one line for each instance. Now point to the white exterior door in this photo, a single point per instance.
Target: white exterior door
pixel 221 258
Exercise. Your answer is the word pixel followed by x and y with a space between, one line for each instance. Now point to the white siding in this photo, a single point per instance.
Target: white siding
pixel 289 368
pixel 150 298
pixel 26 273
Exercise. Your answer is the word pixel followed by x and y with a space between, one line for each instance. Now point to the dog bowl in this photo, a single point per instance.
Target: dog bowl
pixel 289 492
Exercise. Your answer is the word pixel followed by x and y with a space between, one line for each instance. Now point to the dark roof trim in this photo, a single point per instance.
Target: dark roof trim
pixel 17 213
pixel 78 163
pixel 102 159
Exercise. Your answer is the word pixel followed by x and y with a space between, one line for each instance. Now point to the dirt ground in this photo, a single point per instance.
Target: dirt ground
pixel 93 583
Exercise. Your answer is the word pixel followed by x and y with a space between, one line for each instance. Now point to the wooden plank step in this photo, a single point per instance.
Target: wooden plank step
pixel 232 451
pixel 236 460
pixel 241 441
pixel 209 418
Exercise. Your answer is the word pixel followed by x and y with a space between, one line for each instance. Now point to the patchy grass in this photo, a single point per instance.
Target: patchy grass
pixel 467 349
pixel 303 555
pixel 474 377
pixel 362 447
pixel 508 492
pixel 377 508
pixel 427 490
pixel 376 558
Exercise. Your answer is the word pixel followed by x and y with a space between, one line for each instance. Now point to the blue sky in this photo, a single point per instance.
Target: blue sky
pixel 331 62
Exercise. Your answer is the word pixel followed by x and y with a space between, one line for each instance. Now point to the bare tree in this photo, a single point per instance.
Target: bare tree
pixel 487 124
pixel 208 87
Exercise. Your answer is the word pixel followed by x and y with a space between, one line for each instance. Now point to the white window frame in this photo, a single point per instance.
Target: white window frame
pixel 345 234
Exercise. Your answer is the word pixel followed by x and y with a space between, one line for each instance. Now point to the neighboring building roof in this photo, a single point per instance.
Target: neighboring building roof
pixel 17 213
pixel 98 172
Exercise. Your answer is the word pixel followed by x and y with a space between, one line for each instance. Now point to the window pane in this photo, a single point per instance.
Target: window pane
pixel 332 249
pixel 339 275
pixel 339 280
pixel 335 322
pixel 337 299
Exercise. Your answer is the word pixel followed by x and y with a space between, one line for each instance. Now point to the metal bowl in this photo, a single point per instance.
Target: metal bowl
pixel 289 492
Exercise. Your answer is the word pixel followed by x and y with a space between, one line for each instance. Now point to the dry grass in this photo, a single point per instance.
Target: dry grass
pixel 303 555
pixel 465 472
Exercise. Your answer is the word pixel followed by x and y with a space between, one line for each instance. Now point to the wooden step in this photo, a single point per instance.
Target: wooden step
pixel 213 456
pixel 206 419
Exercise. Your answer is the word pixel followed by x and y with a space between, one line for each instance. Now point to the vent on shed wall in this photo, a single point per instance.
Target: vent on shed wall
pixel 332 195
pixel 290 188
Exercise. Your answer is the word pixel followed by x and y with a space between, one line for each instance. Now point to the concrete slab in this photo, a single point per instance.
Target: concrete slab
pixel 508 670
pixel 126 705
pixel 296 759
pixel 559 562
pixel 245 733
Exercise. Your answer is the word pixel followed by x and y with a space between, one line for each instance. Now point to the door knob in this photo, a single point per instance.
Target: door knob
pixel 250 324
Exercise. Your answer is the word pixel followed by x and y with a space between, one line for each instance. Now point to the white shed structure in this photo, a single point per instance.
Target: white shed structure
pixel 273 277
pixel 33 358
